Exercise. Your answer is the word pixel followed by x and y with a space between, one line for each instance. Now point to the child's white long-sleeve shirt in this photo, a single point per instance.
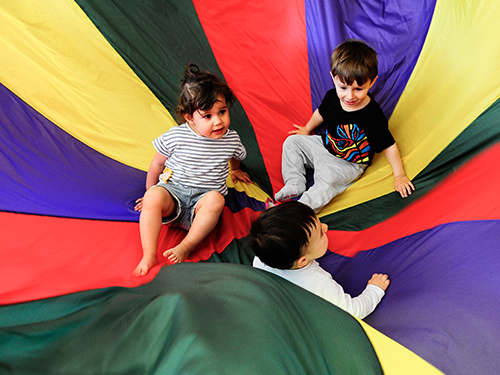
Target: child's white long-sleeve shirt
pixel 316 280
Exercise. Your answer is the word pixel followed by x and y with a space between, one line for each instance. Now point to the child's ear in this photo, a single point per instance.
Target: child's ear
pixel 373 82
pixel 302 261
pixel 188 117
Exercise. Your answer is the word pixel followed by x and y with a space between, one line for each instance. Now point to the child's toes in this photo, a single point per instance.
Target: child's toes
pixel 173 258
pixel 139 271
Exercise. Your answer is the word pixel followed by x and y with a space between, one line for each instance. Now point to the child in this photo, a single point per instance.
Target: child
pixel 356 128
pixel 186 181
pixel 287 239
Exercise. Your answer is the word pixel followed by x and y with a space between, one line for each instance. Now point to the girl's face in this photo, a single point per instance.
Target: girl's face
pixel 353 97
pixel 212 123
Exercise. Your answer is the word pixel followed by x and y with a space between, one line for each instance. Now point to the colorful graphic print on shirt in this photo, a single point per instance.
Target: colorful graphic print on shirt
pixel 350 143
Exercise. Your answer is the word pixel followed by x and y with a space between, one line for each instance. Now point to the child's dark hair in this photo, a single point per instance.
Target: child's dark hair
pixel 280 234
pixel 354 60
pixel 199 90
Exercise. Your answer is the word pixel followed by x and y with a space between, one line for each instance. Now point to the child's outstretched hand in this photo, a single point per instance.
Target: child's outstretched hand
pixel 403 185
pixel 380 280
pixel 240 175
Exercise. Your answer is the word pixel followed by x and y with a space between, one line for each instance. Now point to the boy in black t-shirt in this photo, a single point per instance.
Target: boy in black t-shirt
pixel 356 128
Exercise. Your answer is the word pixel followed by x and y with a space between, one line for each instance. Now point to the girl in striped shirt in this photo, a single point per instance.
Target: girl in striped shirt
pixel 186 181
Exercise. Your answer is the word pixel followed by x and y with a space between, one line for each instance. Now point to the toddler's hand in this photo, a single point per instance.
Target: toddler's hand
pixel 138 206
pixel 403 185
pixel 299 130
pixel 380 280
pixel 239 175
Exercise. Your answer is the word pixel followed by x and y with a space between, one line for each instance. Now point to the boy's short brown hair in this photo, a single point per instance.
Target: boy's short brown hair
pixel 354 60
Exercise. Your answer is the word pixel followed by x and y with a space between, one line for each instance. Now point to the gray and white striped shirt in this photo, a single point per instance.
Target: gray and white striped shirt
pixel 197 161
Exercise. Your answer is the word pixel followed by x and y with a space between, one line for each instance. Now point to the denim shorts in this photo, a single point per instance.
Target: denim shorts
pixel 186 199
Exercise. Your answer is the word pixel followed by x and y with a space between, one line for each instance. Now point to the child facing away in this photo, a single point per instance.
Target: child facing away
pixel 186 181
pixel 356 128
pixel 287 239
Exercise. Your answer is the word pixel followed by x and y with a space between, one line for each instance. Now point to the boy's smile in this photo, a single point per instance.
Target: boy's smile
pixel 353 97
pixel 212 123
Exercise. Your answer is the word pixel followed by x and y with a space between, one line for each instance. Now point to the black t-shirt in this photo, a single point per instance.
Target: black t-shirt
pixel 354 136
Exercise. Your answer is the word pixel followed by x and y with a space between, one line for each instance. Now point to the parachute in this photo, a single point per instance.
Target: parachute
pixel 86 85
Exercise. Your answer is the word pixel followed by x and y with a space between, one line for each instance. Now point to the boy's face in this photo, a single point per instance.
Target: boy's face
pixel 352 97
pixel 318 241
pixel 212 123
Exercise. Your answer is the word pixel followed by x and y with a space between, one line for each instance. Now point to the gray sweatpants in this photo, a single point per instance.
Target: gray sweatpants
pixel 332 175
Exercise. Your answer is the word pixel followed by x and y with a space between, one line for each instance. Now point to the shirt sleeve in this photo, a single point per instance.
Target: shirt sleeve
pixel 379 135
pixel 328 103
pixel 360 306
pixel 240 152
pixel 318 281
pixel 163 144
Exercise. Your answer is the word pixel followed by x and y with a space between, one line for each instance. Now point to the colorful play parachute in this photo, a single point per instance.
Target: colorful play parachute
pixel 86 85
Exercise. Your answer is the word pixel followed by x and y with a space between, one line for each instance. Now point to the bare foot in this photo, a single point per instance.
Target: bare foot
pixel 144 266
pixel 177 254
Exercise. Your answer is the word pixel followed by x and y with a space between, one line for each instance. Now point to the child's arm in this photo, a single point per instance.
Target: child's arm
pixel 315 120
pixel 155 169
pixel 362 305
pixel 236 173
pixel 402 183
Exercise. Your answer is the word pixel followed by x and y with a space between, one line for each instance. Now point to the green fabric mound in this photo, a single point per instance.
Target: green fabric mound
pixel 192 318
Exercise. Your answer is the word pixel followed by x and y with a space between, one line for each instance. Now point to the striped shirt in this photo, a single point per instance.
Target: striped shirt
pixel 198 161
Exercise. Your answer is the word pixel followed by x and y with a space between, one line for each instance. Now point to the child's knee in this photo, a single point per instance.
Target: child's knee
pixel 290 142
pixel 158 197
pixel 214 199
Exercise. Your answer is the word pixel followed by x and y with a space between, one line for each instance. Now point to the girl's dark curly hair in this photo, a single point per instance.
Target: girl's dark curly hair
pixel 199 90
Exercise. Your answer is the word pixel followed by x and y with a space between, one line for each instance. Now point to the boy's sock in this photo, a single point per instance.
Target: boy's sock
pixel 270 202
pixel 289 192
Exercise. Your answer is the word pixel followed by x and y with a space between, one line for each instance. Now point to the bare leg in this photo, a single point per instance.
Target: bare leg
pixel 157 203
pixel 207 213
